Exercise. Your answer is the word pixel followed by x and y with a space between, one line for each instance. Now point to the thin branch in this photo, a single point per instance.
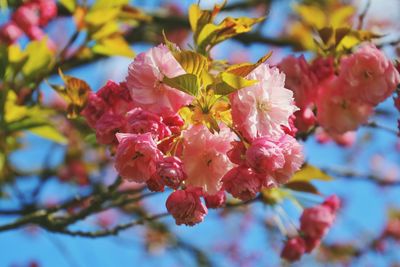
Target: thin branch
pixel 113 231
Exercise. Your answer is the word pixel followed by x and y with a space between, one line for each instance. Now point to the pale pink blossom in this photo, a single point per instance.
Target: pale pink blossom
pixel 338 114
pixel 293 250
pixel 186 207
pixel 144 80
pixel 369 76
pixel 204 156
pixel 136 156
pixel 261 109
pixel 242 182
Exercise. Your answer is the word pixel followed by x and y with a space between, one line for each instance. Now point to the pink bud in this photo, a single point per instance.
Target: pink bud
pixel 170 171
pixel 215 201
pixel 293 249
pixel 242 183
pixel 10 32
pixel 186 207
pixel 316 221
pixel 48 11
pixel 333 202
pixel 311 243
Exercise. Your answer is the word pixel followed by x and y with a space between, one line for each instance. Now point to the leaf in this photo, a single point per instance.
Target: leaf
pixel 70 5
pixel 244 69
pixel 50 133
pixel 101 16
pixel 326 34
pixel 302 186
pixel 192 62
pixel 105 30
pixel 113 46
pixel 312 15
pixel 309 173
pixel 3 60
pixel 231 83
pixel 76 92
pixel 187 83
pixel 130 13
pixel 40 58
pixel 211 34
pixel 106 4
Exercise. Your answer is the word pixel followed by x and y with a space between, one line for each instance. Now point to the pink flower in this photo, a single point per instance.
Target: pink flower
pixel 333 202
pixel 293 250
pixel 264 156
pixel 316 221
pixel 323 68
pixel 237 154
pixel 311 243
pixel 346 139
pixel 261 109
pixel 26 16
pixel 204 156
pixel 293 157
pixel 48 11
pixel 305 119
pixel 242 182
pixel 215 201
pixel 136 156
pixel 10 32
pixel 155 184
pixel 336 113
pixel 300 79
pixel 144 80
pixel 107 126
pixel 186 207
pixel 174 123
pixel 170 172
pixel 369 75
pixel 117 97
pixel 94 109
pixel 36 33
pixel 141 121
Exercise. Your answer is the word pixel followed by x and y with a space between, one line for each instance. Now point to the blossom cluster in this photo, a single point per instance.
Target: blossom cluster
pixel 314 224
pixel 29 19
pixel 155 145
pixel 339 97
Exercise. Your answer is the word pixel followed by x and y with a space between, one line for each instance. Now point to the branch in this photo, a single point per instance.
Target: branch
pixel 113 231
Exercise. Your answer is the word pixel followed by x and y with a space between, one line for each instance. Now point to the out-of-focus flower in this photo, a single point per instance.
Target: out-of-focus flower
pixel 293 250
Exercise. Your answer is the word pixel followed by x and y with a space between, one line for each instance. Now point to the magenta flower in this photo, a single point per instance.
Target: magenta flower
pixel 242 182
pixel 136 156
pixel 293 250
pixel 186 207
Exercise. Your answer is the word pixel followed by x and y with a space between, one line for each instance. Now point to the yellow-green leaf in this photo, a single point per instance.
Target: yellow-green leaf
pixel 49 132
pixel 105 30
pixel 302 186
pixel 309 173
pixel 192 62
pixel 40 58
pixel 113 46
pixel 231 83
pixel 244 69
pixel 106 4
pixel 101 16
pixel 187 83
pixel 70 5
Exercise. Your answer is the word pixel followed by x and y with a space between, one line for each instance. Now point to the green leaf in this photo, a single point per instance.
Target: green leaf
pixel 3 60
pixel 231 83
pixel 302 186
pixel 105 4
pixel 113 46
pixel 192 62
pixel 309 173
pixel 101 16
pixel 105 30
pixel 70 5
pixel 187 83
pixel 50 133
pixel 40 58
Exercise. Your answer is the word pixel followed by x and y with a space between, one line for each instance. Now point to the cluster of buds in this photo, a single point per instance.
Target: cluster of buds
pixel 29 19
pixel 314 225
